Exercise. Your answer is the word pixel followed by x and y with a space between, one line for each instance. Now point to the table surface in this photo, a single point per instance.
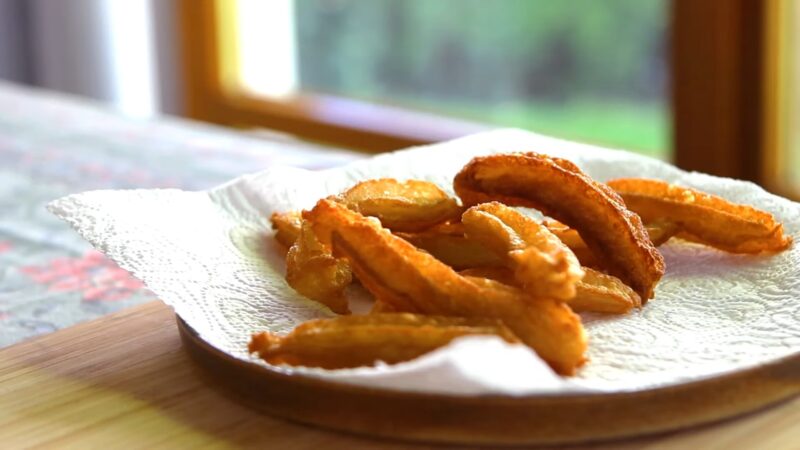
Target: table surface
pixel 123 378
pixel 52 145
pixel 124 381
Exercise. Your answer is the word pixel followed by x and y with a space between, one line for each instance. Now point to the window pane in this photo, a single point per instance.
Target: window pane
pixel 584 69
pixel 790 172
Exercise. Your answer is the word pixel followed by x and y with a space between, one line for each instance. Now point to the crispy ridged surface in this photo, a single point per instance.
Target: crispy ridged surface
pixel 702 217
pixel 353 341
pixel 560 190
pixel 599 292
pixel 543 265
pixel 310 268
pixel 449 245
pixel 411 205
pixel 596 292
pixel 287 226
pixel 411 280
pixel 659 233
pixel 312 271
pixel 520 279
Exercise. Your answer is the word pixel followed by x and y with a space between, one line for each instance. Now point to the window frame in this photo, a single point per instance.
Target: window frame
pixel 358 125
pixel 722 93
pixel 779 85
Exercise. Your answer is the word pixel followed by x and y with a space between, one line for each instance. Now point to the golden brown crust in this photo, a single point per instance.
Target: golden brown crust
pixel 659 232
pixel 596 292
pixel 314 272
pixel 702 217
pixel 353 341
pixel 544 266
pixel 411 205
pixel 411 280
pixel 287 226
pixel 599 292
pixel 447 243
pixel 560 190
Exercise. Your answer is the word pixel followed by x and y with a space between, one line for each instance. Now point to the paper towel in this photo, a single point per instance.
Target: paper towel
pixel 211 256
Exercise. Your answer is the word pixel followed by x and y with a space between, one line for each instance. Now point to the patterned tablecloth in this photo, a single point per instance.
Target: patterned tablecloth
pixel 52 145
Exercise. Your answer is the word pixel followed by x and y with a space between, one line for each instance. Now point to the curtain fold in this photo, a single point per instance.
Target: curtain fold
pixel 15 64
pixel 121 52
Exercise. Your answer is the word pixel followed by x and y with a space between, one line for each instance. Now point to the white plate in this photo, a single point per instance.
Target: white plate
pixel 209 255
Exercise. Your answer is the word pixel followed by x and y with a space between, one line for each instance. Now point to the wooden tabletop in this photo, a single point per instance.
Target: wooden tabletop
pixel 124 381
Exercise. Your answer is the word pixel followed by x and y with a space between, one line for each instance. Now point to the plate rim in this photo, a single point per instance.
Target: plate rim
pixel 608 415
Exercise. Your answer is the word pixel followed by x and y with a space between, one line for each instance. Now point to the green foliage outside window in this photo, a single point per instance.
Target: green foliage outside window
pixel 582 69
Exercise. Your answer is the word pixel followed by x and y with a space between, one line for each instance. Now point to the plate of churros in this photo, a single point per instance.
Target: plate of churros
pixel 503 288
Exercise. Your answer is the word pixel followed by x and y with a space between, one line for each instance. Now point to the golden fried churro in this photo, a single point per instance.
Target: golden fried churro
pixel 411 280
pixel 560 190
pixel 543 265
pixel 312 271
pixel 596 292
pixel 353 341
pixel 411 205
pixel 287 226
pixel 702 217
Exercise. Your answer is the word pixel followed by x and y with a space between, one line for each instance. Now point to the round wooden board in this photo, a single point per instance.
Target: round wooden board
pixel 493 419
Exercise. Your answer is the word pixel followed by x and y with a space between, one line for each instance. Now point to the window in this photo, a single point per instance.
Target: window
pixel 791 169
pixel 782 92
pixel 585 70
pixel 789 116
pixel 683 80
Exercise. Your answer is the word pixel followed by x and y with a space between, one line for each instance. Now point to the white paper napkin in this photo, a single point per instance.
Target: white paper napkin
pixel 211 257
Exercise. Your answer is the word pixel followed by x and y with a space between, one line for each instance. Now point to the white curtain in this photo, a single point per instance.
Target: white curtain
pixel 14 61
pixel 121 52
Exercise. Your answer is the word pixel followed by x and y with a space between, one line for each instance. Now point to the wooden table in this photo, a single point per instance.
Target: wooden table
pixel 124 381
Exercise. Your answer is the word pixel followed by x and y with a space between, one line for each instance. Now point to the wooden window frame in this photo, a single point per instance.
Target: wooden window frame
pixel 328 119
pixel 721 82
pixel 780 64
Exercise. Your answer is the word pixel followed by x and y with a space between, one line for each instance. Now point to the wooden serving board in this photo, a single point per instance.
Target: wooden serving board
pixel 126 381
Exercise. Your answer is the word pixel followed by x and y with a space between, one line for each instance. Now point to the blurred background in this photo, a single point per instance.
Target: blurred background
pixel 707 84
